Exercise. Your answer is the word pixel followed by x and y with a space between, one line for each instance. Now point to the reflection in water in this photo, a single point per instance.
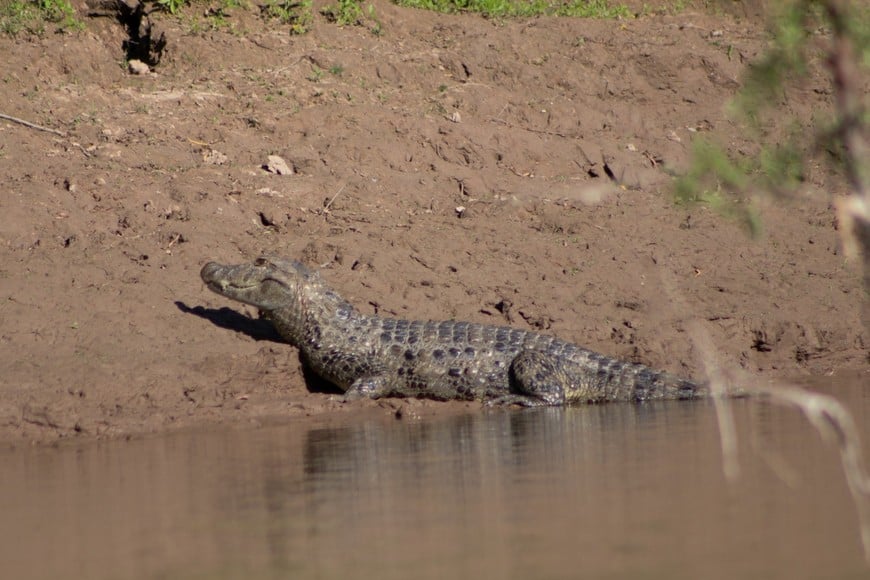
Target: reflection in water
pixel 615 491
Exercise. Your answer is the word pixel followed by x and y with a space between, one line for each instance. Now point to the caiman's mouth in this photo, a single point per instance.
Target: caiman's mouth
pixel 221 286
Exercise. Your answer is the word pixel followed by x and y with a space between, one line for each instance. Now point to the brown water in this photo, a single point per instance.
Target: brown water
pixel 611 491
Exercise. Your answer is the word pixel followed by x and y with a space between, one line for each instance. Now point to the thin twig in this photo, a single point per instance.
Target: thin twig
pixel 717 380
pixel 329 203
pixel 720 390
pixel 31 125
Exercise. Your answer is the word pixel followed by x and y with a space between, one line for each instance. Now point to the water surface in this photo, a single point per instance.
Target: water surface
pixel 610 491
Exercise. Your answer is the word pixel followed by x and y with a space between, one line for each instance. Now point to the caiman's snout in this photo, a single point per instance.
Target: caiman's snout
pixel 209 272
pixel 216 277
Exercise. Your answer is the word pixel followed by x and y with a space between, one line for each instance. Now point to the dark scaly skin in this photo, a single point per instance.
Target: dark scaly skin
pixel 369 356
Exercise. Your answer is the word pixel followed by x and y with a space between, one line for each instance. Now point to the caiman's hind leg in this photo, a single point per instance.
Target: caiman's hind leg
pixel 536 380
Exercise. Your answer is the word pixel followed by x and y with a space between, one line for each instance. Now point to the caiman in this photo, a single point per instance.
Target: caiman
pixel 373 356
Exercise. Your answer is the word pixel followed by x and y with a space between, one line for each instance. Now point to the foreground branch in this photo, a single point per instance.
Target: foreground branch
pixel 834 422
pixel 854 134
pixel 830 418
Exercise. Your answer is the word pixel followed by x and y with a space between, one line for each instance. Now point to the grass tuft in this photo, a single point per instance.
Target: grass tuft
pixel 31 16
pixel 514 8
pixel 296 13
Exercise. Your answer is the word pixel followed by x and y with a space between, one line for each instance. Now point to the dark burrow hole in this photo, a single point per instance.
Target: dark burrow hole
pixel 143 42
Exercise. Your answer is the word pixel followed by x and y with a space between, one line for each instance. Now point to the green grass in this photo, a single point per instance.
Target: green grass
pixel 352 13
pixel 31 16
pixel 344 12
pixel 171 6
pixel 174 6
pixel 36 16
pixel 507 8
pixel 296 13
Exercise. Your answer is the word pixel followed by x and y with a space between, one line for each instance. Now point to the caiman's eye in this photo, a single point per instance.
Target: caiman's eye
pixel 261 262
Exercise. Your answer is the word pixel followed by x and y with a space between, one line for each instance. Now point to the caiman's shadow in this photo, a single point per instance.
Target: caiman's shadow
pixel 257 329
pixel 232 320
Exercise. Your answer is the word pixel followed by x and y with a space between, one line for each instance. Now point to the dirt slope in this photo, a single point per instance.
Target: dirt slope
pixel 107 330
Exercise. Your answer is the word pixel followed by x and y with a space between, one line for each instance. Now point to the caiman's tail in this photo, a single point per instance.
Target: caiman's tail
pixel 634 382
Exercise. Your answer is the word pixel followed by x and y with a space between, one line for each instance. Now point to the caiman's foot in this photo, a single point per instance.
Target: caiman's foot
pixel 519 400
pixel 366 388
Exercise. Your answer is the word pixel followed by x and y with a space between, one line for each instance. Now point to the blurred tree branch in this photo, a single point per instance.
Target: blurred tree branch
pixel 843 26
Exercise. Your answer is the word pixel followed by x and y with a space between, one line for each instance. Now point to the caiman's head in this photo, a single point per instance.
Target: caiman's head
pixel 270 283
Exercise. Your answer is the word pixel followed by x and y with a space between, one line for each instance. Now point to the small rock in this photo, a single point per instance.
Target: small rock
pixel 214 157
pixel 277 165
pixel 176 212
pixel 137 67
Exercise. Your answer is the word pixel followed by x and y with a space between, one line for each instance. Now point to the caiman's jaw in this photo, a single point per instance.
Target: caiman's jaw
pixel 268 283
